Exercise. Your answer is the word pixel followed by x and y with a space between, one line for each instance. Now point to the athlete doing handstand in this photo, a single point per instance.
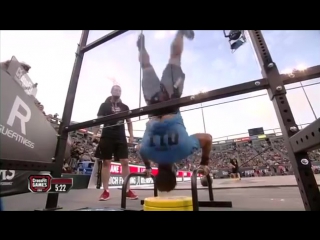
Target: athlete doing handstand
pixel 166 140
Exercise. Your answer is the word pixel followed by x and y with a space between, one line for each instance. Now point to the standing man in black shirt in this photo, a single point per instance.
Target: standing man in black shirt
pixel 235 168
pixel 113 141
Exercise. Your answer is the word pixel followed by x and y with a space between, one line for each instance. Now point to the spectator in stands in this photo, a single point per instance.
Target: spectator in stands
pixel 113 141
pixel 235 168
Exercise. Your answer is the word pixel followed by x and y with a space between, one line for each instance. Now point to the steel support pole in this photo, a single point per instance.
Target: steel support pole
pixel 301 164
pixel 52 199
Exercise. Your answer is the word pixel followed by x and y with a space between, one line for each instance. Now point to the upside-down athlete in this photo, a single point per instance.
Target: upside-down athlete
pixel 166 140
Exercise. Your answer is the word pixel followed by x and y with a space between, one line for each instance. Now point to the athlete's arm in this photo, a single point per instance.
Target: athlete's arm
pixel 146 162
pixel 101 113
pixel 129 124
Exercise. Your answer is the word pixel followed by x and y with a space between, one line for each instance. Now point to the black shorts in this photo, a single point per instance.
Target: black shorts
pixel 235 170
pixel 110 147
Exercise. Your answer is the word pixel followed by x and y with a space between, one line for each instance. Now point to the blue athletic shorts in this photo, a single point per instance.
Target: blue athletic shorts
pixel 167 142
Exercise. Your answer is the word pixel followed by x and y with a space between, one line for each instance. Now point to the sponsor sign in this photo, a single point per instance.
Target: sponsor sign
pixel 20 125
pixel 116 175
pixel 245 139
pixel 46 184
pixel 116 180
pixel 14 182
pixel 6 177
pixel 39 183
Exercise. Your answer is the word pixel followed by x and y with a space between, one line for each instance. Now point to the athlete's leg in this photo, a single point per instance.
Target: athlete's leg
pixel 122 153
pixel 173 76
pixel 238 175
pixel 104 151
pixel 177 46
pixel 150 80
pixel 145 160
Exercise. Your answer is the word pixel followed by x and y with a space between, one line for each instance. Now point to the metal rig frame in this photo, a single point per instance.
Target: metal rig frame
pixel 298 142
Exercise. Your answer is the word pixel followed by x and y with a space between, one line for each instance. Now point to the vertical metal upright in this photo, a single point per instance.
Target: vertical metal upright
pixel 203 121
pixel 277 93
pixel 52 199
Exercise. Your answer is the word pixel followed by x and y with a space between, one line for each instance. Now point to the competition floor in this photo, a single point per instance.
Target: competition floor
pixel 261 193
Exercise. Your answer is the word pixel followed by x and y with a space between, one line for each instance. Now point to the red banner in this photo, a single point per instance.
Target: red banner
pixel 245 139
pixel 116 169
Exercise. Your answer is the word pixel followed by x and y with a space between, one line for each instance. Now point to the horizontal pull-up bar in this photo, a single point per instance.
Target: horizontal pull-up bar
pixel 103 39
pixel 230 91
pixel 307 139
pixel 300 76
pixel 180 102
pixel 16 164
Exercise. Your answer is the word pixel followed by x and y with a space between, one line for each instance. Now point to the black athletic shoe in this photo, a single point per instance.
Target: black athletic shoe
pixel 188 34
pixel 141 42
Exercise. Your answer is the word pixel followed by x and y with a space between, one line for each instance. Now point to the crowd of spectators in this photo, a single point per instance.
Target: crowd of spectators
pixel 258 154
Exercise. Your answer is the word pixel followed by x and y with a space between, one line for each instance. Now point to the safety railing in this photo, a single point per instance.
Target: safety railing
pixel 125 186
pixel 211 203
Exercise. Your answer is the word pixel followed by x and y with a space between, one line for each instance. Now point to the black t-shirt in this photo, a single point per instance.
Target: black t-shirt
pixel 234 163
pixel 115 129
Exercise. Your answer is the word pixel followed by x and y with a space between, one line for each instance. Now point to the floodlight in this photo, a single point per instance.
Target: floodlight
pixel 236 38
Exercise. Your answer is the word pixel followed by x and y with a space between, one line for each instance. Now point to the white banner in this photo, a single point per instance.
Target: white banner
pixel 116 179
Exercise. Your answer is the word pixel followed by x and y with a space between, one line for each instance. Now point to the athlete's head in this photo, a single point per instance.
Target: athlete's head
pixel 116 92
pixel 166 179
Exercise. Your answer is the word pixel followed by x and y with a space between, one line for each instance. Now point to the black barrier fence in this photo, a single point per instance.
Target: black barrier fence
pixel 297 142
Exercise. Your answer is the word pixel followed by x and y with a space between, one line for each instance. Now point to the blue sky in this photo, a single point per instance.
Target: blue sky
pixel 207 62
